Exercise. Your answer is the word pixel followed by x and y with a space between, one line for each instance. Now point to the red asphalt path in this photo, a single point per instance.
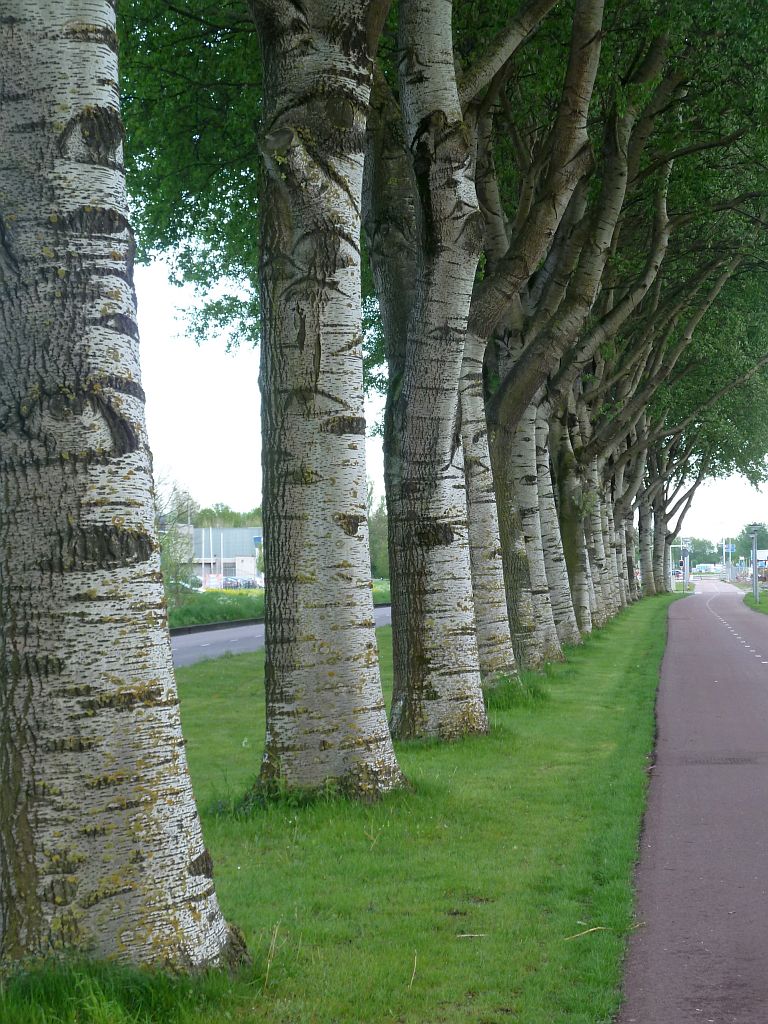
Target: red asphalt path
pixel 699 954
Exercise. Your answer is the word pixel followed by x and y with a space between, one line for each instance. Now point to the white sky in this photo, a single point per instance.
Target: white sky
pixel 203 420
pixel 203 403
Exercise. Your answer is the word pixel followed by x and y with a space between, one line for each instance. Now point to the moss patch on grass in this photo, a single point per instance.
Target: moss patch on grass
pixel 498 889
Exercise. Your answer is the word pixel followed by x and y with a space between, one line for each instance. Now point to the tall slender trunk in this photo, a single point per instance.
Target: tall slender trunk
pixel 101 851
pixel 552 542
pixel 645 530
pixel 596 547
pixel 618 536
pixel 326 718
pixel 437 689
pixel 660 549
pixel 571 515
pixel 613 562
pixel 494 641
pixel 540 640
pixel 668 565
pixel 630 546
pixel 515 555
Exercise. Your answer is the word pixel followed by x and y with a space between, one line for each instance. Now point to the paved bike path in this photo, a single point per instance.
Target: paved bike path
pixel 699 954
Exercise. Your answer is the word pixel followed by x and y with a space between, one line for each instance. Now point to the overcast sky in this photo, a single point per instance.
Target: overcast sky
pixel 203 420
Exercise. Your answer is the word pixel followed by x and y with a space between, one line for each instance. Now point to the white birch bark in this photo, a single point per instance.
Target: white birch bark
pixel 622 565
pixel 101 851
pixel 571 516
pixel 494 640
pixel 326 719
pixel 437 689
pixel 645 531
pixel 661 577
pixel 552 543
pixel 668 565
pixel 618 535
pixel 540 641
pixel 593 528
pixel 630 547
pixel 611 559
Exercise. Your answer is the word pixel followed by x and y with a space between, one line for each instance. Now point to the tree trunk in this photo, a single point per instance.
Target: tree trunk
pixel 494 642
pixel 613 559
pixel 596 547
pixel 437 689
pixel 646 549
pixel 669 588
pixel 101 851
pixel 630 544
pixel 618 536
pixel 515 557
pixel 326 719
pixel 571 515
pixel 552 543
pixel 660 549
pixel 541 642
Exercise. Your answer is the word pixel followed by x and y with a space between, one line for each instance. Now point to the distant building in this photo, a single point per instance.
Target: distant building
pixel 228 551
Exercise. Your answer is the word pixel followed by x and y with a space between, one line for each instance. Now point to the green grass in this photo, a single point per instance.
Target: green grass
pixel 496 890
pixel 761 606
pixel 230 605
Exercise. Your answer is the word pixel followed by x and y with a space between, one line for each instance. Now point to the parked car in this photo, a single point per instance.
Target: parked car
pixel 248 582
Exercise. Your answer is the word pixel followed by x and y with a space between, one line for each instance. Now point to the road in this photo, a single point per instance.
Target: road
pixel 193 647
pixel 700 950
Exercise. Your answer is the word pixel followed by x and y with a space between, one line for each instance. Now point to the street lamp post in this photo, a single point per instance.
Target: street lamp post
pixel 754 527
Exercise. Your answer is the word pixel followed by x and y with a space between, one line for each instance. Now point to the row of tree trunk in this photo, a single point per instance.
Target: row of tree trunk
pixel 518 439
pixel 524 346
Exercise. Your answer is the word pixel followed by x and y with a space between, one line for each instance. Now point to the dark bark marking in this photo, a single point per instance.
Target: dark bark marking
pixel 92 34
pixel 344 425
pixel 101 130
pixel 8 262
pixel 125 700
pixel 36 665
pixel 204 895
pixel 92 220
pixel 124 437
pixel 202 865
pixel 316 360
pixel 235 953
pixel 432 535
pixel 100 547
pixel 119 322
pixel 349 523
pixel 340 111
pixel 73 744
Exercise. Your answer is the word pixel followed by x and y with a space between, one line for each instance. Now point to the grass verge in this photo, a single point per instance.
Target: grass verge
pixel 497 890
pixel 760 606
pixel 231 605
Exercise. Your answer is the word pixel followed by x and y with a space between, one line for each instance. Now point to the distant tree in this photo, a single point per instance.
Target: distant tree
pixel 221 515
pixel 377 528
pixel 744 540
pixel 704 551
